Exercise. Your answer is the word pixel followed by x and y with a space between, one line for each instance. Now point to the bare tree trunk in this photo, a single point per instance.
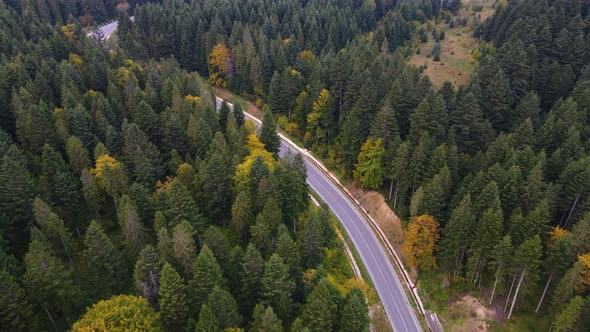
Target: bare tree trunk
pixel 509 292
pixel 516 292
pixel 572 210
pixel 70 259
pixel 494 289
pixel 544 292
pixel 395 195
pixel 50 317
pixel 390 189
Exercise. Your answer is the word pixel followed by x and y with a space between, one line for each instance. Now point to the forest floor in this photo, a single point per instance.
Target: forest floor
pixel 456 60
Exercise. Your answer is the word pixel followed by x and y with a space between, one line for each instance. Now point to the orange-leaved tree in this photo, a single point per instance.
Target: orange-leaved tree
pixel 420 242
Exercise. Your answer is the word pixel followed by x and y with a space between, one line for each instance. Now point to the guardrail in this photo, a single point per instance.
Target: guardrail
pixel 358 206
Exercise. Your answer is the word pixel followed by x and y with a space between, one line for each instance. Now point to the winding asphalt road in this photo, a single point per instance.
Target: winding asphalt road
pixel 399 311
pixel 387 284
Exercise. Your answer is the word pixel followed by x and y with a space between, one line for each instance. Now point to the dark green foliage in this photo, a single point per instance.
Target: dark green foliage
pixel 225 308
pixel 321 307
pixel 206 275
pixel 265 320
pixel 15 310
pixel 59 184
pixel 208 322
pixel 268 134
pixel 355 312
pixel 140 154
pixel 48 282
pixel 182 207
pixel 17 190
pixel 238 115
pixel 509 149
pixel 173 301
pixel 311 245
pixel 277 286
pixel 251 277
pixel 105 271
pixel 224 112
pixel 473 130
pixel 215 177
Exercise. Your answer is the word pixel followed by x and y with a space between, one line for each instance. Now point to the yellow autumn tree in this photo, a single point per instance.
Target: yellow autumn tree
pixel 584 280
pixel 193 99
pixel 420 242
pixel 557 233
pixel 69 31
pixel 219 65
pixel 320 108
pixel 120 313
pixel 101 163
pixel 256 149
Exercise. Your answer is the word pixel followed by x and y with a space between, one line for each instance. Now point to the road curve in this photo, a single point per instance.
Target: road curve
pixel 399 311
pixel 108 29
pixel 387 284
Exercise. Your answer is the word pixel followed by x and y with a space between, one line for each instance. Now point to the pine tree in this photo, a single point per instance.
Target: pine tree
pixel 184 246
pixel 173 302
pixel 48 282
pixel 311 242
pixel 487 236
pixel 268 134
pixel 15 309
pixel 77 154
pixel 60 183
pixel 216 183
pixel 473 131
pixel 200 135
pixel 241 215
pixel 355 312
pixel 265 320
pixel 501 260
pixel 105 270
pixel 223 115
pixel 208 322
pixel 320 309
pixel 261 234
pixel 238 115
pixel 570 314
pixel 436 193
pixel 294 197
pixel 277 287
pixel 223 304
pixel 146 274
pixel 206 275
pixel 566 287
pixel 527 260
pixel 251 277
pixel 369 170
pixel 385 124
pixel 289 252
pixel 182 206
pixel 132 227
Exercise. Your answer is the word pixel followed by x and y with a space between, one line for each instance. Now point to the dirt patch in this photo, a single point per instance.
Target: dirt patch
pixel 456 61
pixel 469 314
pixel 375 205
pixel 227 95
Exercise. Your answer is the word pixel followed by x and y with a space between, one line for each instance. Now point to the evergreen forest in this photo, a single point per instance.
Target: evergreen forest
pixel 127 197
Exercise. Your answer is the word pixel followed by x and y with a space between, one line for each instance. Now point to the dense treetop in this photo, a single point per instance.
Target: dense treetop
pixel 492 178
